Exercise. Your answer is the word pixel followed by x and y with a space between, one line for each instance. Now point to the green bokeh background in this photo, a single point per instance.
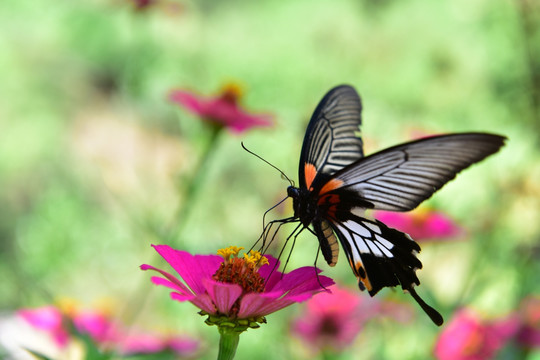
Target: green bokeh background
pixel 94 158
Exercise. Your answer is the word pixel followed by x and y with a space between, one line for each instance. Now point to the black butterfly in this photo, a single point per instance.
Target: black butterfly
pixel 337 185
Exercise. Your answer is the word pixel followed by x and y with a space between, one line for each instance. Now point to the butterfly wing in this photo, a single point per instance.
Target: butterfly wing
pixel 333 170
pixel 381 256
pixel 331 143
pixel 401 177
pixel 397 179
pixel 331 140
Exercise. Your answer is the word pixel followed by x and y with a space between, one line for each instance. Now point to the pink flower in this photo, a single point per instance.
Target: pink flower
pixel 148 343
pixel 222 110
pixel 239 289
pixel 333 320
pixel 421 225
pixel 142 344
pixel 143 4
pixel 183 346
pixel 529 315
pixel 139 343
pixel 104 333
pixel 48 319
pixel 468 337
pixel 97 325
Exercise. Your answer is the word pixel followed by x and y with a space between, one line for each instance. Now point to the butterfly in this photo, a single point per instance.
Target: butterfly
pixel 337 184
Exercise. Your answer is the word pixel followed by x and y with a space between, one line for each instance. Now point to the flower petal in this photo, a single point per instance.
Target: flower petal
pixel 303 280
pixel 270 273
pixel 221 110
pixel 173 282
pixel 203 302
pixel 253 305
pixel 191 268
pixel 223 295
pixel 181 295
pixel 189 101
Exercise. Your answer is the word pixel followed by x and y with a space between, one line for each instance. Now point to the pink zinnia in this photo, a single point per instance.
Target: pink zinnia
pixel 421 225
pixel 148 343
pixel 222 110
pixel 50 320
pixel 468 337
pixel 232 290
pixel 104 333
pixel 333 320
pixel 97 325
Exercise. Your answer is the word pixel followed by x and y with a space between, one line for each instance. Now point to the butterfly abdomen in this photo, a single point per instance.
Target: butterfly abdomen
pixel 327 241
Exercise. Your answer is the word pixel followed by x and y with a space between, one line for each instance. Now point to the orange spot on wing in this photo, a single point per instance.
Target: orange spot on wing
pixel 331 185
pixel 361 274
pixel 310 172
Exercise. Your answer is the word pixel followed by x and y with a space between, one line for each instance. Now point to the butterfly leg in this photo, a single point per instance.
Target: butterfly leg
pixel 295 231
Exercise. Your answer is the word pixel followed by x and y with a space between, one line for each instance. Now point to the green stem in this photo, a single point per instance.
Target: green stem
pixel 174 230
pixel 183 211
pixel 228 342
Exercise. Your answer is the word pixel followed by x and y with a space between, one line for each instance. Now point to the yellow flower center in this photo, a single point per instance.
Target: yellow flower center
pixel 241 271
pixel 231 92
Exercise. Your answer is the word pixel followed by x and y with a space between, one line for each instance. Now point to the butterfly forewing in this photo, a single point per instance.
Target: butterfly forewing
pixel 331 140
pixel 401 177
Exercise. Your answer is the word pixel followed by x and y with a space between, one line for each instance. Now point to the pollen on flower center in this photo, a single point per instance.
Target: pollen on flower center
pixel 241 271
pixel 231 93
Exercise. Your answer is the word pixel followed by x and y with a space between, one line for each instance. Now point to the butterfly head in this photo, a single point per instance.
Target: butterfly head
pixel 293 192
pixel 304 205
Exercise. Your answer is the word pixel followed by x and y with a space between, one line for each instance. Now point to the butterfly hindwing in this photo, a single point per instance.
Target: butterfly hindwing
pixel 332 140
pixel 378 255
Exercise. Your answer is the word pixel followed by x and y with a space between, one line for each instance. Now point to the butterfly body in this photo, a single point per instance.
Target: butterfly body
pixel 337 184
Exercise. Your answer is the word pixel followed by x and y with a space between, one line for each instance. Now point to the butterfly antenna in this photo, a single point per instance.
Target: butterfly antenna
pixel 272 208
pixel 266 161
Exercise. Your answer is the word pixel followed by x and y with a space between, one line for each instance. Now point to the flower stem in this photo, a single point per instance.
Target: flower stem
pixel 191 191
pixel 173 230
pixel 228 342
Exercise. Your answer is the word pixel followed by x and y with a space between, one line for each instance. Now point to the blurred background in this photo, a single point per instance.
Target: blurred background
pixel 97 164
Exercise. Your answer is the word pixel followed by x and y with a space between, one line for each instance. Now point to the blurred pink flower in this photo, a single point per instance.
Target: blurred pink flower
pixel 149 343
pixel 421 225
pixel 529 316
pixel 142 4
pixel 222 110
pixel 97 325
pixel 48 319
pixel 468 337
pixel 104 333
pixel 145 343
pixel 333 320
pixel 183 346
pixel 235 288
pixel 142 344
